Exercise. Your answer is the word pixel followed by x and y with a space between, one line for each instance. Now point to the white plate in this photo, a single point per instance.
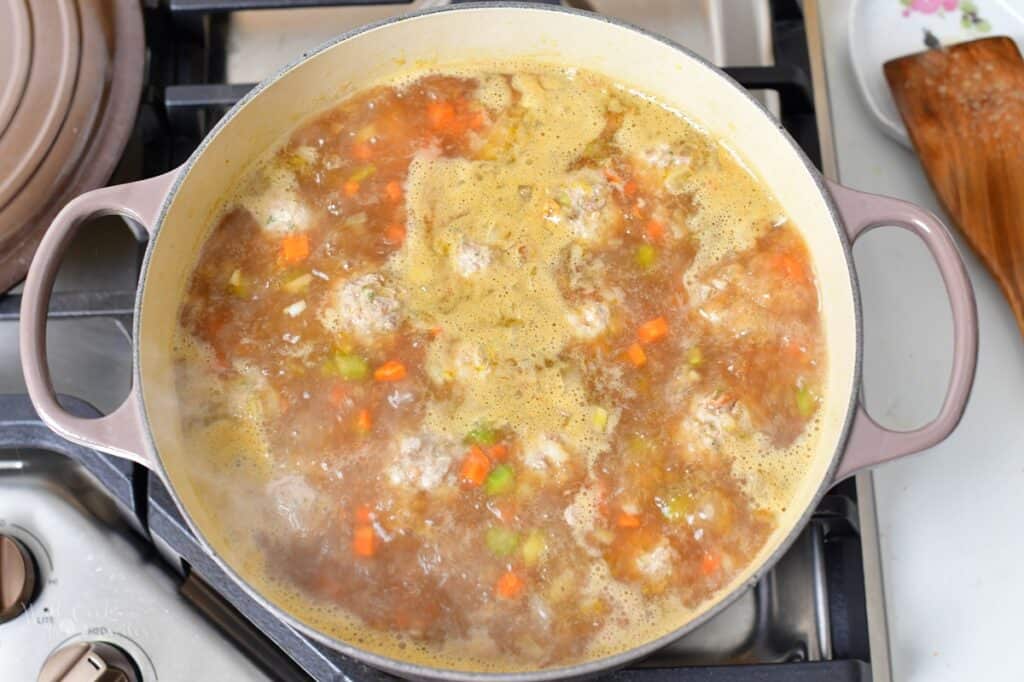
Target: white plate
pixel 880 30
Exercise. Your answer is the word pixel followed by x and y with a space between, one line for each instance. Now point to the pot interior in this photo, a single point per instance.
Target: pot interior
pixel 492 33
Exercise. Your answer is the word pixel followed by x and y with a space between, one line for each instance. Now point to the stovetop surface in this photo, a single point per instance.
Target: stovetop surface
pixel 98 577
pixel 805 620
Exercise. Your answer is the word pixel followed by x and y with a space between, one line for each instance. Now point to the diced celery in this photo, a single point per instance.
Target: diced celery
pixel 302 159
pixel 596 148
pixel 295 309
pixel 482 434
pixel 676 508
pixel 806 401
pixel 362 173
pixel 695 356
pixel 533 547
pixel 677 179
pixel 645 256
pixel 501 541
pixel 639 445
pixel 298 285
pixel 356 220
pixel 237 284
pixel 501 480
pixel 366 132
pixel 351 367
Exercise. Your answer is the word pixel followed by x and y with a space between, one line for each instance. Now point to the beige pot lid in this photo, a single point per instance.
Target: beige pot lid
pixel 66 114
pixel 15 55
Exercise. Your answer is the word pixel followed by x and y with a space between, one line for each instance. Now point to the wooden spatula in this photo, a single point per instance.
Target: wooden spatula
pixel 964 108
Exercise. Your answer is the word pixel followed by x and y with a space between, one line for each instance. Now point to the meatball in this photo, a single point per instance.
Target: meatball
pixel 363 306
pixel 470 258
pixel 278 208
pixel 585 208
pixel 422 461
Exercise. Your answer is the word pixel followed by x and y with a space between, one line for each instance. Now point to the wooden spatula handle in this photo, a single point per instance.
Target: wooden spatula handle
pixel 963 106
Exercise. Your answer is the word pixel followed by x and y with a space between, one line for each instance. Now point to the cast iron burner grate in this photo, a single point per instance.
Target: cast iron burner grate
pixel 185 95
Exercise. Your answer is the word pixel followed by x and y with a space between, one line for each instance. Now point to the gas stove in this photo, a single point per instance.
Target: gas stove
pixel 99 574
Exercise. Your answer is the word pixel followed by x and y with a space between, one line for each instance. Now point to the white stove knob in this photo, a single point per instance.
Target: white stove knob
pixel 17 578
pixel 89 662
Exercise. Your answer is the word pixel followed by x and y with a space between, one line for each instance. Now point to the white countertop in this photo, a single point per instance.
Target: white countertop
pixel 951 545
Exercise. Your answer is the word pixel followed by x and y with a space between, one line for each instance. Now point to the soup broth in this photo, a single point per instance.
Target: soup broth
pixel 500 368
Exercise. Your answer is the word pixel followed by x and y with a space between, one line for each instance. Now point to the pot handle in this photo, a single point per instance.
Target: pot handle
pixel 869 443
pixel 121 432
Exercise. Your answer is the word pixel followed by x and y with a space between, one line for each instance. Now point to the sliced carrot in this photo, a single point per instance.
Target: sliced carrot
pixel 337 396
pixel 440 115
pixel 478 120
pixel 392 370
pixel 436 331
pixel 790 267
pixel 653 330
pixel 794 349
pixel 364 542
pixel 629 189
pixel 402 619
pixel 393 190
pixel 710 563
pixel 612 175
pixel 327 583
pixel 636 355
pixel 364 421
pixel 362 151
pixel 351 188
pixel 294 248
pixel 394 234
pixel 722 399
pixel 212 325
pixel 655 230
pixel 601 492
pixel 363 513
pixel 505 510
pixel 475 467
pixel 285 402
pixel 509 585
pixel 628 520
pixel 499 452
